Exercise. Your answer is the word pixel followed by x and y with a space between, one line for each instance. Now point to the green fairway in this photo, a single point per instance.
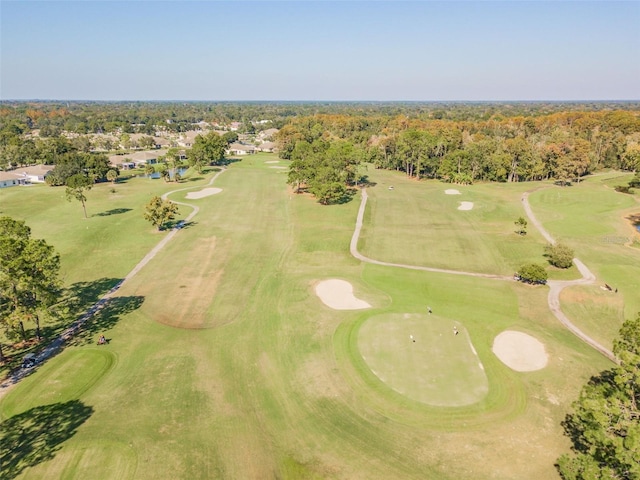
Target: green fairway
pixel 223 362
pixel 416 223
pixel 422 357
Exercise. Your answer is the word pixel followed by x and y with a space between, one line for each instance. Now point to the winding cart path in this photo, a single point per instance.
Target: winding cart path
pixel 15 376
pixel 555 286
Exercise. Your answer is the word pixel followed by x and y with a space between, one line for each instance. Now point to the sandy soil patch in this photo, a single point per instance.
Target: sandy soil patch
pixel 465 206
pixel 452 191
pixel 338 294
pixel 205 192
pixel 281 168
pixel 519 351
pixel 272 161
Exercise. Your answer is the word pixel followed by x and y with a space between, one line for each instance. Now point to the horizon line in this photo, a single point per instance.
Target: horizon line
pixel 318 101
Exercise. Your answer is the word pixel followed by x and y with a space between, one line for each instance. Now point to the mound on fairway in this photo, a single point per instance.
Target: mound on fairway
pixel 205 192
pixel 338 294
pixel 519 351
pixel 421 357
pixel 465 206
pixel 452 191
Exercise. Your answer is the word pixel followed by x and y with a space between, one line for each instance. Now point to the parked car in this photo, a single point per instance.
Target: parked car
pixel 29 360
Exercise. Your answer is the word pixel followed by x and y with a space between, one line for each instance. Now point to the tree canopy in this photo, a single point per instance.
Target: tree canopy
pixel 605 424
pixel 29 281
pixel 159 211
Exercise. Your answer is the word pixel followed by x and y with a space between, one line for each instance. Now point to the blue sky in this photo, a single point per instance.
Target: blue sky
pixel 324 50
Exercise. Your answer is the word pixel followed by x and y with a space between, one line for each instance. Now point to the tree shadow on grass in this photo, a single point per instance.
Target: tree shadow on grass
pixel 81 295
pixel 635 220
pixel 113 211
pixel 35 436
pixel 105 316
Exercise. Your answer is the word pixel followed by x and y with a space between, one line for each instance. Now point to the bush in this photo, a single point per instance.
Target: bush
pixel 559 255
pixel 623 189
pixel 532 273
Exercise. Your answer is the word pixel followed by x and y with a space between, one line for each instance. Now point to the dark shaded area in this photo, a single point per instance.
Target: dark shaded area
pixel 36 435
pixel 81 295
pixel 229 161
pixel 104 317
pixel 180 224
pixel 113 211
pixel 364 181
pixel 635 220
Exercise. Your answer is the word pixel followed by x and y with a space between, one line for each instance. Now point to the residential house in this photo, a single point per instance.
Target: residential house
pixel 240 149
pixel 267 147
pixel 35 173
pixel 9 179
pixel 25 175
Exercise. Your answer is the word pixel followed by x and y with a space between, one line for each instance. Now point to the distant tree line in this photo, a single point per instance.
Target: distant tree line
pixel 563 146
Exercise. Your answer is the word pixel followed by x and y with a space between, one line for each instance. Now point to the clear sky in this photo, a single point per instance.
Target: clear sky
pixel 320 50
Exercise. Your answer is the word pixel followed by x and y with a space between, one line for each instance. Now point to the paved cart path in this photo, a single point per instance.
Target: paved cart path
pixel 555 286
pixel 15 376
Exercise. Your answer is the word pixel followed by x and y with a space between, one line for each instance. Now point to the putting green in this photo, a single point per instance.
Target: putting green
pixel 435 367
pixel 50 383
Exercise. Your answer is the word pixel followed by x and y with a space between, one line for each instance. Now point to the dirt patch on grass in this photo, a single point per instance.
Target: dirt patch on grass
pixel 519 351
pixel 193 288
pixel 338 294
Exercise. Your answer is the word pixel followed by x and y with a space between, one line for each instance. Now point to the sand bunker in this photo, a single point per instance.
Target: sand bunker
pixel 519 351
pixel 272 161
pixel 338 294
pixel 205 192
pixel 452 191
pixel 281 168
pixel 465 206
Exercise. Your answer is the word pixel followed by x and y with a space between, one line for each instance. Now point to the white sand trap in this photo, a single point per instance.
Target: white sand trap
pixel 281 168
pixel 519 351
pixel 205 192
pixel 451 191
pixel 338 294
pixel 272 161
pixel 465 206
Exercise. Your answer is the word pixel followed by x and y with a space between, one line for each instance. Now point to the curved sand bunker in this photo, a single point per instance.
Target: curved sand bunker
pixel 465 206
pixel 205 192
pixel 338 294
pixel 281 168
pixel 451 191
pixel 272 161
pixel 519 351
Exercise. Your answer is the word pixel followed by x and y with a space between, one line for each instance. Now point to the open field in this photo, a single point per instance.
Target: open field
pixel 223 362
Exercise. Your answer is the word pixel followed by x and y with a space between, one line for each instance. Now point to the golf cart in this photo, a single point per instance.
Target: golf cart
pixel 29 360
